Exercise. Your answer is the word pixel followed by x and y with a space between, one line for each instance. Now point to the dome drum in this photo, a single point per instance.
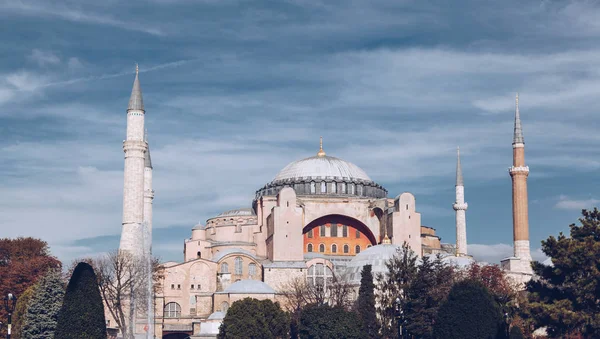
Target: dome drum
pixel 327 186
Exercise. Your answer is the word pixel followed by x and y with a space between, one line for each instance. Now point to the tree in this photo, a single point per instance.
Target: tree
pixel 22 262
pixel 496 281
pixel 564 297
pixel 401 271
pixel 323 321
pixel 82 312
pixel 469 312
pixel 20 313
pixel 257 319
pixel 365 304
pixel 122 277
pixel 516 333
pixel 43 308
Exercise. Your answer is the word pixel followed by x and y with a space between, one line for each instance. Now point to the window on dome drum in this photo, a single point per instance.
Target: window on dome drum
pixel 309 248
pixel 333 187
pixel 224 268
pixel 172 310
pixel 357 249
pixel 252 270
pixel 343 188
pixel 323 187
pixel 357 234
pixel 359 188
pixel 334 248
pixel 351 188
pixel 313 187
pixel 345 231
pixel 320 275
pixel 322 228
pixel 322 248
pixel 333 230
pixel 346 248
pixel 238 265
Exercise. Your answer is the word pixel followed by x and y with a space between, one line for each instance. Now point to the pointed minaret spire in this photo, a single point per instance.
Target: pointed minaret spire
pixel 518 135
pixel 135 101
pixel 459 176
pixel 321 153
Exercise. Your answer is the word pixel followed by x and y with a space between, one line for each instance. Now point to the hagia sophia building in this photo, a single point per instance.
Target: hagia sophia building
pixel 320 216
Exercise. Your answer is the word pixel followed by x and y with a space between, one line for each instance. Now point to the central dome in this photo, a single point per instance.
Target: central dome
pixel 322 166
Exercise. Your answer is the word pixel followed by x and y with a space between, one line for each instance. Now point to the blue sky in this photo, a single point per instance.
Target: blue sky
pixel 234 90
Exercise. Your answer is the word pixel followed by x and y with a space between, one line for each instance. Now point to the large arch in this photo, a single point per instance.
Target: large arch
pixel 177 335
pixel 341 219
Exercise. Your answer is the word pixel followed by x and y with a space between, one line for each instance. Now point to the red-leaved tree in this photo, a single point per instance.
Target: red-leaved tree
pixel 22 262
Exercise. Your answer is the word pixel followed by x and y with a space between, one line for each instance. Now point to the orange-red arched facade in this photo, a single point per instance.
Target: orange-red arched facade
pixel 337 235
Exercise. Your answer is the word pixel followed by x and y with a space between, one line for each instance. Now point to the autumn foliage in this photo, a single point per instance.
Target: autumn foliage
pixel 22 262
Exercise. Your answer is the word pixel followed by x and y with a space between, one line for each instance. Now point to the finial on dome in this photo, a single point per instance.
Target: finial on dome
pixel 321 153
pixel 386 239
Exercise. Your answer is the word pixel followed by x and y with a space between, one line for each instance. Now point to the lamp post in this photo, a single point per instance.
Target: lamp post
pixel 399 318
pixel 10 302
pixel 507 322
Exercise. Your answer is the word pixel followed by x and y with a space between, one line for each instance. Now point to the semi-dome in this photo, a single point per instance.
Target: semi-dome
pixel 249 287
pixel 376 256
pixel 323 167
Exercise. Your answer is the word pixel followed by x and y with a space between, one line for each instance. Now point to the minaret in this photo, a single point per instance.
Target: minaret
pixel 519 173
pixel 148 191
pixel 135 148
pixel 460 206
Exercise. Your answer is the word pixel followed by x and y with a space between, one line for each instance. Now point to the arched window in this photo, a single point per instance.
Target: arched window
pixel 320 275
pixel 313 187
pixel 310 233
pixel 172 310
pixel 309 248
pixel 343 188
pixel 323 187
pixel 224 306
pixel 359 188
pixel 322 248
pixel 198 255
pixel 334 248
pixel 346 248
pixel 252 270
pixel 322 229
pixel 224 268
pixel 333 230
pixel 333 187
pixel 351 188
pixel 345 231
pixel 238 265
pixel 357 249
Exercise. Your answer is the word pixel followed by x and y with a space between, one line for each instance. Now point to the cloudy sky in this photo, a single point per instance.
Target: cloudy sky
pixel 234 90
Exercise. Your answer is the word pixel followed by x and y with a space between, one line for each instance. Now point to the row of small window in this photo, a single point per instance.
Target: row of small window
pixel 239 264
pixel 333 188
pixel 191 286
pixel 333 231
pixel 334 248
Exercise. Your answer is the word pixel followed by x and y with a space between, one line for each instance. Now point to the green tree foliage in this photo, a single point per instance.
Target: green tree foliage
pixel 322 321
pixel 82 312
pixel 21 312
pixel 365 304
pixel 516 333
pixel 257 319
pixel 469 312
pixel 22 262
pixel 565 297
pixel 401 272
pixel 43 308
pixel 425 295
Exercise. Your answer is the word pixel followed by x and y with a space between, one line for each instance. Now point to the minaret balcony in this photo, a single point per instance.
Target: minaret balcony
pixel 518 170
pixel 460 206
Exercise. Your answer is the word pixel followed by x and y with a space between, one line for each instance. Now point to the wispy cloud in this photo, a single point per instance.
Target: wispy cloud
pixel 566 203
pixel 67 12
pixel 44 58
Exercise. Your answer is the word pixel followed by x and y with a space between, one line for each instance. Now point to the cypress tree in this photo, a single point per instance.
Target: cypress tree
pixel 469 312
pixel 43 307
pixel 82 312
pixel 365 304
